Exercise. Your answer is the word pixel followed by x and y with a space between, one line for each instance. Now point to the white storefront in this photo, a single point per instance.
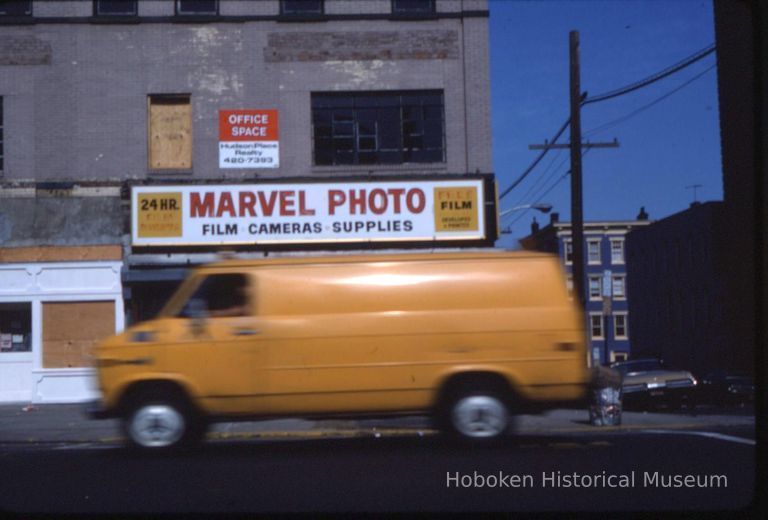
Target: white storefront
pixel 51 315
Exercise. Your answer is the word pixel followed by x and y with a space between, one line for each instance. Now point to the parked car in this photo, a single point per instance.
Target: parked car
pixel 648 383
pixel 724 388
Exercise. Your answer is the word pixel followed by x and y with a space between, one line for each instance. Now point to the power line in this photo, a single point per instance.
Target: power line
pixel 535 162
pixel 553 186
pixel 610 95
pixel 544 177
pixel 653 78
pixel 535 191
pixel 632 114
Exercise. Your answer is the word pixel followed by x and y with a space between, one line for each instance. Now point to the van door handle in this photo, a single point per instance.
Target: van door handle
pixel 245 332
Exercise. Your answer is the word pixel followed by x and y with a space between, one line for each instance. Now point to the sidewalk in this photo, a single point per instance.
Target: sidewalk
pixel 66 423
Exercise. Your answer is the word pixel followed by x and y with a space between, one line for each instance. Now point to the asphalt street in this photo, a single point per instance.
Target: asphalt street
pixel 609 472
pixel 55 461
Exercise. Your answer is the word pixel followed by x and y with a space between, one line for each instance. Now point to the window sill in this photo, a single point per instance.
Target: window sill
pixel 302 17
pixel 381 169
pixel 171 172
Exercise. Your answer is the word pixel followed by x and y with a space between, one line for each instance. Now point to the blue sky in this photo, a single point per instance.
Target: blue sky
pixel 664 148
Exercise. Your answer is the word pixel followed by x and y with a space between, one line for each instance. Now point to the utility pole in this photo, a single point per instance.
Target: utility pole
pixel 575 146
pixel 577 209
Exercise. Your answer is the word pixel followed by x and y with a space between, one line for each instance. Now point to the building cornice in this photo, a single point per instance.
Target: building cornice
pixel 208 19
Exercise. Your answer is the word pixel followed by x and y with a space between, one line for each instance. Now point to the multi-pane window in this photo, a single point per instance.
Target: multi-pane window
pixel 593 251
pixel 596 325
pixel 618 286
pixel 378 127
pixel 301 6
pixel 595 287
pixel 617 251
pixel 568 245
pixel 16 8
pixel 197 6
pixel 115 7
pixel 620 326
pixel 413 6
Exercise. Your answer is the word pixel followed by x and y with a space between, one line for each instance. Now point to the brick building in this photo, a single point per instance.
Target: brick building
pixel 606 306
pixel 675 278
pixel 376 108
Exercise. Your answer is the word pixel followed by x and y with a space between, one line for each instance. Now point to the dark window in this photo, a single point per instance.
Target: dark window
pixel 301 7
pixel 15 327
pixel 115 7
pixel 413 6
pixel 220 295
pixel 16 7
pixel 378 127
pixel 197 6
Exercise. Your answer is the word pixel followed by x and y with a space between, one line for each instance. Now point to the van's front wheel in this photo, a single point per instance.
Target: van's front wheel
pixel 159 425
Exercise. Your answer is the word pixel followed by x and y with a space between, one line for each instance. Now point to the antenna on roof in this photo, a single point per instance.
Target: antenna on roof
pixel 695 188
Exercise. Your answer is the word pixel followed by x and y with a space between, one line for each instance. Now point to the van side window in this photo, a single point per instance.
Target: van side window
pixel 219 295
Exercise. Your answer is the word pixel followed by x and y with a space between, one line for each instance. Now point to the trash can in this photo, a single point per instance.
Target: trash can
pixel 605 397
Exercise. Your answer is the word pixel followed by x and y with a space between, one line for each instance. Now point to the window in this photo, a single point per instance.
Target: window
pixel 569 285
pixel 197 7
pixel 617 251
pixel 568 244
pixel 618 286
pixel 15 328
pixel 170 132
pixel 596 325
pixel 593 251
pixel 620 326
pixel 413 6
pixel 219 295
pixel 16 8
pixel 1 136
pixel 618 356
pixel 301 6
pixel 595 287
pixel 115 7
pixel 378 127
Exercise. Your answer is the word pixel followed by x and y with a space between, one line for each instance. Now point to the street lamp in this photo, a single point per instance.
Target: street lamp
pixel 539 206
pixel 543 207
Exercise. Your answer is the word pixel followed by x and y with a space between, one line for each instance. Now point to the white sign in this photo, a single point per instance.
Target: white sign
pixel 313 212
pixel 248 139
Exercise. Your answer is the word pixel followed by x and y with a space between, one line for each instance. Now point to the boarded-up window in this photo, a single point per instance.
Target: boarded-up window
pixel 71 329
pixel 170 132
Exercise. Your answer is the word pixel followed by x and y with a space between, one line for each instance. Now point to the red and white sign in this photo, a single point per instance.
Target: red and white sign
pixel 249 139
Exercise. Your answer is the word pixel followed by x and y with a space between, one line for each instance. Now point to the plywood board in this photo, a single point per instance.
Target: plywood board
pixel 60 254
pixel 71 329
pixel 170 133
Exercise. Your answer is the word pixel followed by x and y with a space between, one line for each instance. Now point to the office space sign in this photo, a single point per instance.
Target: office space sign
pixel 248 139
pixel 308 213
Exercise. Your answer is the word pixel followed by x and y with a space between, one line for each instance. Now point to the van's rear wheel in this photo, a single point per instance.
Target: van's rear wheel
pixel 477 414
pixel 157 424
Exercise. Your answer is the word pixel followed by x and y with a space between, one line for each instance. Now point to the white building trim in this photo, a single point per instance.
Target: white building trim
pixel 22 375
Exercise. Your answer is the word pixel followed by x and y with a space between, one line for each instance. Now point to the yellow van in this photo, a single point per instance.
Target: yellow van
pixel 470 337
